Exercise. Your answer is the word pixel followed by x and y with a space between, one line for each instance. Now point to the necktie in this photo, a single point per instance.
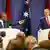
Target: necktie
pixel 48 21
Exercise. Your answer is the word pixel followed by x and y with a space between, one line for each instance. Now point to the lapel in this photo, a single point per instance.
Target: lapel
pixel 5 24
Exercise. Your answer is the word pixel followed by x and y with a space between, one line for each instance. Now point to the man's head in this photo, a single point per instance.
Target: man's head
pixel 30 42
pixel 20 34
pixel 3 33
pixel 20 39
pixel 4 16
pixel 46 12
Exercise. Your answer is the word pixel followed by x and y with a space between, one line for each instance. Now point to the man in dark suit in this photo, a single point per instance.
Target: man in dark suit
pixel 45 21
pixel 3 21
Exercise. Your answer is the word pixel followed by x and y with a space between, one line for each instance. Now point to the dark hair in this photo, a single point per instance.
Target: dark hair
pixel 3 33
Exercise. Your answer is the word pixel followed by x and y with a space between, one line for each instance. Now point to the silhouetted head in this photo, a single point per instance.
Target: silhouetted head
pixel 21 35
pixel 31 42
pixel 20 38
pixel 3 33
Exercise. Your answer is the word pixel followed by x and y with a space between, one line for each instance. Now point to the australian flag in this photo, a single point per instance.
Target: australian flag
pixel 27 19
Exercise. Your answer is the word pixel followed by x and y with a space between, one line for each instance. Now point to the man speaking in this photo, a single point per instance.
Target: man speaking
pixel 45 21
pixel 3 21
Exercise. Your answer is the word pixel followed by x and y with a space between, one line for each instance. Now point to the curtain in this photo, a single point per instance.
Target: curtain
pixel 48 4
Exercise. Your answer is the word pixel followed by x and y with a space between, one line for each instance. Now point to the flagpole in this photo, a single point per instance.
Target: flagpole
pixel 29 9
pixel 29 13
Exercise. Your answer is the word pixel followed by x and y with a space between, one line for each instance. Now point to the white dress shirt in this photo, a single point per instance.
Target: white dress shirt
pixel 2 23
pixel 49 18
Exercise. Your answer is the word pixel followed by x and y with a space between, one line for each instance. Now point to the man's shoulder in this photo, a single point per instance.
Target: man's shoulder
pixel 42 18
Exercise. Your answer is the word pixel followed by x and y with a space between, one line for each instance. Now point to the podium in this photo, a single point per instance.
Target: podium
pixel 10 34
pixel 43 35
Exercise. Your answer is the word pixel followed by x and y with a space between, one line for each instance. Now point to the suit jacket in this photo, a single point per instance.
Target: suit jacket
pixel 43 24
pixel 5 24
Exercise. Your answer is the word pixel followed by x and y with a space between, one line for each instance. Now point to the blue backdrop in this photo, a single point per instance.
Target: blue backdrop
pixel 36 7
pixel 1 6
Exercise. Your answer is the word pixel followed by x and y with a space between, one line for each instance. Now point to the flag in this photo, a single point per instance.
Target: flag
pixel 27 19
pixel 8 9
pixel 8 12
